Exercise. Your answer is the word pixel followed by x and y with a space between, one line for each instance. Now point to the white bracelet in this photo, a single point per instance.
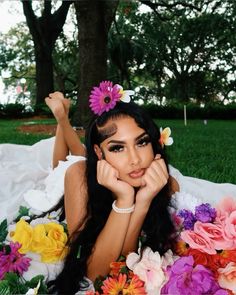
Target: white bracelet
pixel 122 210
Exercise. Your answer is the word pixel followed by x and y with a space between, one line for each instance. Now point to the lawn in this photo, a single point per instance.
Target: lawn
pixel 10 134
pixel 203 151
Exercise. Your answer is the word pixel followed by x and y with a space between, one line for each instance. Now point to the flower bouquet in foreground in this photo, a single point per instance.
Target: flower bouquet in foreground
pixel 28 250
pixel 204 261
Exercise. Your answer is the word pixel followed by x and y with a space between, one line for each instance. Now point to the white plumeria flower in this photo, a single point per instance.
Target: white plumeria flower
pixel 34 291
pixel 125 94
pixel 165 138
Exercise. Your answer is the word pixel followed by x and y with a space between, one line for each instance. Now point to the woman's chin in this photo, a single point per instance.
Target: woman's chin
pixel 135 182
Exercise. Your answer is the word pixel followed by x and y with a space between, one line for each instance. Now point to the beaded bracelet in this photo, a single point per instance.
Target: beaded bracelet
pixel 122 210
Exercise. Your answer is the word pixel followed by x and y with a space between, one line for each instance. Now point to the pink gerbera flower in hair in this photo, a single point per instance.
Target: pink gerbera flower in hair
pixel 104 97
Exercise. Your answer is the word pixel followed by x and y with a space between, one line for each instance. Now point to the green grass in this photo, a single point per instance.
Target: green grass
pixel 10 134
pixel 203 151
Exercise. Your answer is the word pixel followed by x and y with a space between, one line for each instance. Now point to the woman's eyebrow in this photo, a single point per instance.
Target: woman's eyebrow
pixel 123 142
pixel 141 135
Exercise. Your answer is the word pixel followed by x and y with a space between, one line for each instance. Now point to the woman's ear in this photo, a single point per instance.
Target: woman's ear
pixel 98 152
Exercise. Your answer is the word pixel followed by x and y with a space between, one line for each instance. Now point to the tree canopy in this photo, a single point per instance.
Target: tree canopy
pixel 175 50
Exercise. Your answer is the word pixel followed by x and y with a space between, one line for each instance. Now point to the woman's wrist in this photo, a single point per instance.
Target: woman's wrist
pixel 118 208
pixel 142 205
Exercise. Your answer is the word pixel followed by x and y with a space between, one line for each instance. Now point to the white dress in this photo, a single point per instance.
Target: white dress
pixel 26 178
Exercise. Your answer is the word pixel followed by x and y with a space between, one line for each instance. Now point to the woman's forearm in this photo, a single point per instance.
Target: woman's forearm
pixel 109 244
pixel 134 229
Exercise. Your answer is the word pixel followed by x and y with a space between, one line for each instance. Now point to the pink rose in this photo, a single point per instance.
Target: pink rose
pixel 230 226
pixel 225 207
pixel 227 277
pixel 197 241
pixel 215 233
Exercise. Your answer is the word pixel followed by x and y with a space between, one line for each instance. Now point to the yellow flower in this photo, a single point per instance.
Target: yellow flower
pixel 49 241
pixel 165 138
pixel 23 234
pixel 53 251
pixel 56 232
pixel 40 238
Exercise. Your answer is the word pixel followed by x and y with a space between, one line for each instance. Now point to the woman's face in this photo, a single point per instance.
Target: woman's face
pixel 128 149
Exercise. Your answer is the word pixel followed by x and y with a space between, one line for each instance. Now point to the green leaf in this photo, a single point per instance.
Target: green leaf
pixel 34 281
pixel 98 283
pixel 43 288
pixel 22 289
pixel 3 230
pixel 124 269
pixel 4 288
pixel 23 211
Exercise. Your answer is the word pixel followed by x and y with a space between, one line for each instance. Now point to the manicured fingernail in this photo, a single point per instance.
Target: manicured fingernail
pixel 158 156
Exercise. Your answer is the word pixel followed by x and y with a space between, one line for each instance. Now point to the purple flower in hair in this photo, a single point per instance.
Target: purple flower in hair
pixel 104 97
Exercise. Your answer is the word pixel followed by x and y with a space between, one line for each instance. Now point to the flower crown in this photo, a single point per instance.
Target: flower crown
pixel 105 97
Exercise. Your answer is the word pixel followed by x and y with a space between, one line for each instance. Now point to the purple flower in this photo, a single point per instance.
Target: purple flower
pixel 185 279
pixel 104 97
pixel 13 261
pixel 188 218
pixel 205 213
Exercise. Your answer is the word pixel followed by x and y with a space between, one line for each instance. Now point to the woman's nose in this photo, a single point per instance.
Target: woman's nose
pixel 134 157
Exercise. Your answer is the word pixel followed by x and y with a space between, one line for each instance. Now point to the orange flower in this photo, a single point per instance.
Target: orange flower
pixel 136 287
pixel 181 248
pixel 116 268
pixel 114 286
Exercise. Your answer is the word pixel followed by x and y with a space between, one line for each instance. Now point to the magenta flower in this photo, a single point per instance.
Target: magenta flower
pixel 104 97
pixel 13 261
pixel 184 278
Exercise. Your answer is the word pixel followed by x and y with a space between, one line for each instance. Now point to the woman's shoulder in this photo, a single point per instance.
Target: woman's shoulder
pixel 76 169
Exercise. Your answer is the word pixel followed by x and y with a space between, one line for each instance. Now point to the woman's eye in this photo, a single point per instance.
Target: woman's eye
pixel 116 148
pixel 143 142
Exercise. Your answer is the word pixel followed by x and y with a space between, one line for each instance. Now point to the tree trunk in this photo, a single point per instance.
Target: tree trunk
pixel 45 31
pixel 94 19
pixel 44 73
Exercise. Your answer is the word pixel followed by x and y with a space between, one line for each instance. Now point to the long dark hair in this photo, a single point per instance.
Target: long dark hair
pixel 158 227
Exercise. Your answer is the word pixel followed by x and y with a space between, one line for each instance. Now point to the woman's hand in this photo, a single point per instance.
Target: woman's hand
pixel 108 176
pixel 154 179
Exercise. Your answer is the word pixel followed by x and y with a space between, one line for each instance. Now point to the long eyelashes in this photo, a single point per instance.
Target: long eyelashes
pixel 145 140
pixel 115 148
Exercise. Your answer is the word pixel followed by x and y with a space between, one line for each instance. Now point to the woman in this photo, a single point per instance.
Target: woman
pixel 126 191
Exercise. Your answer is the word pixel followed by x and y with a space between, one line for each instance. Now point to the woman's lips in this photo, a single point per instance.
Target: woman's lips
pixel 137 173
